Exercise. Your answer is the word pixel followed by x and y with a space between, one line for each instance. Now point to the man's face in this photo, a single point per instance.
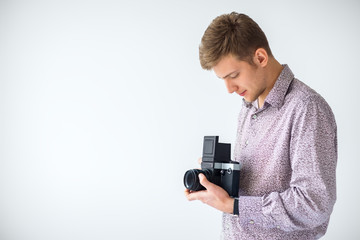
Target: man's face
pixel 241 77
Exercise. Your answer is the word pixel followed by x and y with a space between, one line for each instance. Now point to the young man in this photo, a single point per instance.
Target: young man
pixel 286 140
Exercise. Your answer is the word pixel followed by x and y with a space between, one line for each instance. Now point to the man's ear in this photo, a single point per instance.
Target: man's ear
pixel 261 57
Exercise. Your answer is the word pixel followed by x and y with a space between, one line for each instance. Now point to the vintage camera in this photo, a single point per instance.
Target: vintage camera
pixel 217 166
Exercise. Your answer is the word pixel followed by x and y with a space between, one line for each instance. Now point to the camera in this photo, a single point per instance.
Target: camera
pixel 217 167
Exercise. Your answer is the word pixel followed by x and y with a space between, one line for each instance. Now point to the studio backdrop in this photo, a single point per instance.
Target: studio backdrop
pixel 104 106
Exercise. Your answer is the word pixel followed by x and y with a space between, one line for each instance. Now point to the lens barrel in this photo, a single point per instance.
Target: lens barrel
pixel 192 181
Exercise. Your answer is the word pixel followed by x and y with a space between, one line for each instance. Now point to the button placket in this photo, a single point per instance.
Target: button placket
pixel 253 121
pixel 249 131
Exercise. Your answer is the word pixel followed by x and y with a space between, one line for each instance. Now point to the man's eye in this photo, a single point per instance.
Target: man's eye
pixel 234 76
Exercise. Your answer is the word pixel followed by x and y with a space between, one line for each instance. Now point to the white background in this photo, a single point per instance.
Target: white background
pixel 104 105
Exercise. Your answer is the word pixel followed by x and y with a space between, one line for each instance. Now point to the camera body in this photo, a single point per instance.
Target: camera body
pixel 217 166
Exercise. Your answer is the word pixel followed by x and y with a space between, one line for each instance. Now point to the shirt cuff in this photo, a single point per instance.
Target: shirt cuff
pixel 250 211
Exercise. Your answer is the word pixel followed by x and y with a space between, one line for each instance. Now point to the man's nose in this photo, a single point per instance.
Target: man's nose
pixel 229 86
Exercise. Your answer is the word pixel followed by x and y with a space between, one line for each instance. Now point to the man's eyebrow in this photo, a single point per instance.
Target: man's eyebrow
pixel 227 75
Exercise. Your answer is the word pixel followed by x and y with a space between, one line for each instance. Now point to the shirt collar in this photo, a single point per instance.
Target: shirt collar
pixel 250 104
pixel 277 94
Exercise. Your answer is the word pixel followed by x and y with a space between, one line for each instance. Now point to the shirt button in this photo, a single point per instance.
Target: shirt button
pixel 251 222
pixel 278 227
pixel 254 116
pixel 247 142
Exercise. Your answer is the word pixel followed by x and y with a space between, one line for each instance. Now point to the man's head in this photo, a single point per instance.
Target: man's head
pixel 231 34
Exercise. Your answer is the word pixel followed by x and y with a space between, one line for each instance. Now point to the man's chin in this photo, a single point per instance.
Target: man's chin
pixel 247 99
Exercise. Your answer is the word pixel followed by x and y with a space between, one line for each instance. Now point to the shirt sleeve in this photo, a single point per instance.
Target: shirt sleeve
pixel 309 200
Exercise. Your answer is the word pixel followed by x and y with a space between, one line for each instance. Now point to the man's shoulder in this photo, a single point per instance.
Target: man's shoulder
pixel 302 98
pixel 300 93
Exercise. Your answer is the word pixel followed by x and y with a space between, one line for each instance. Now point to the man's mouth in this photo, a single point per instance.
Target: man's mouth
pixel 243 93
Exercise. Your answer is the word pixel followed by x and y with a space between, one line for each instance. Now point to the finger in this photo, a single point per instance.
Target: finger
pixel 206 183
pixel 191 196
pixel 198 195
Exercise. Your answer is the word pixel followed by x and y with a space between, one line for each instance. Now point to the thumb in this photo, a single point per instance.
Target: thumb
pixel 204 181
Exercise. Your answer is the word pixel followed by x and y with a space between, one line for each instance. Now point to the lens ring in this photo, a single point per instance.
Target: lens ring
pixel 191 180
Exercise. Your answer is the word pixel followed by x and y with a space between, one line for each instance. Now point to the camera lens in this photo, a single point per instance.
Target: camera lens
pixel 192 181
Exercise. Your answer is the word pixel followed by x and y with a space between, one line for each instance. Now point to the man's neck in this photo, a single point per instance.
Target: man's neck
pixel 273 71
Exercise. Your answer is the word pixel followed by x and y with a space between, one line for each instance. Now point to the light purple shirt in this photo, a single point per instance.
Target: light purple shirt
pixel 288 153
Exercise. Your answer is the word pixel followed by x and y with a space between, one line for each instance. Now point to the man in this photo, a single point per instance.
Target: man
pixel 286 140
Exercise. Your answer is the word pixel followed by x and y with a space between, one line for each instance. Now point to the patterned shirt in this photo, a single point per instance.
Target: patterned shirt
pixel 288 153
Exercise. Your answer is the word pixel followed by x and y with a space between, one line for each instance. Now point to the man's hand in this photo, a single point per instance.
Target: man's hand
pixel 213 196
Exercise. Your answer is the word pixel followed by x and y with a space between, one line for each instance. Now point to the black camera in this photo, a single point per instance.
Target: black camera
pixel 217 166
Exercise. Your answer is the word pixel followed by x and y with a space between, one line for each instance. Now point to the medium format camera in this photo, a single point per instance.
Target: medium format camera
pixel 217 167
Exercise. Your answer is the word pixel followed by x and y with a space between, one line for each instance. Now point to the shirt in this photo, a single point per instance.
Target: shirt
pixel 288 153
